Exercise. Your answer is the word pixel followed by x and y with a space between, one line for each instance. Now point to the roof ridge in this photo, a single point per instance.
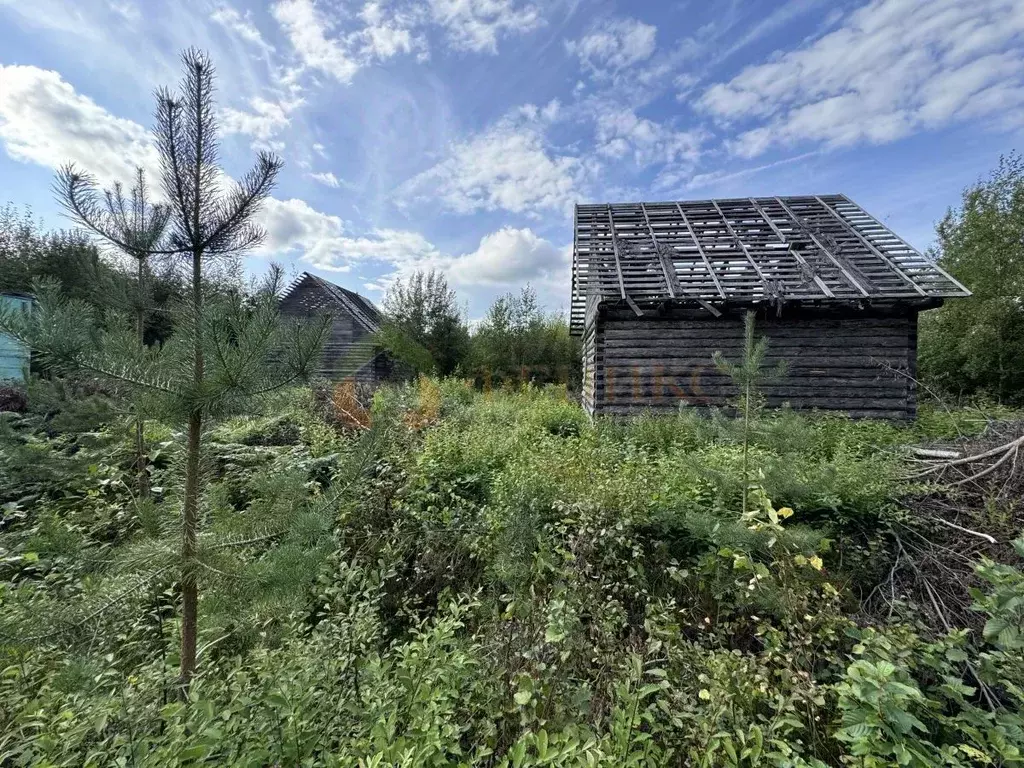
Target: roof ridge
pixel 362 308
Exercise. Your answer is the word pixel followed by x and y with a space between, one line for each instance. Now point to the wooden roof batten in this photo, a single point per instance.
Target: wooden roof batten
pixel 744 251
pixel 822 286
pixel 824 249
pixel 934 265
pixel 889 262
pixel 615 251
pixel 700 250
pixel 675 290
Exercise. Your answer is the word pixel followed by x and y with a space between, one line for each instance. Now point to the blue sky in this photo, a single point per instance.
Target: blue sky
pixel 456 134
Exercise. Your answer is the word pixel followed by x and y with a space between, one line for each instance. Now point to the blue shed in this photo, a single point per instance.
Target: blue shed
pixel 14 356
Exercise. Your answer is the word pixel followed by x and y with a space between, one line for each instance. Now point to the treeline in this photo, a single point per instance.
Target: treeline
pixel 516 341
pixel 970 349
pixel 106 282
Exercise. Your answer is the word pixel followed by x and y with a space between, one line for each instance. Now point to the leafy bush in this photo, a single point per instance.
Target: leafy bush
pixel 492 579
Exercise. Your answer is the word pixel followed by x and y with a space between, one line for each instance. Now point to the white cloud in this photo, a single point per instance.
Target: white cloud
pixel 307 31
pixel 126 10
pixel 320 239
pixel 618 44
pixel 722 179
pixel 549 113
pixel 506 167
pixel 475 25
pixel 326 178
pixel 265 120
pixel 621 133
pixel 504 259
pixel 241 25
pixel 891 69
pixel 381 32
pixel 44 120
pixel 510 257
pixel 389 32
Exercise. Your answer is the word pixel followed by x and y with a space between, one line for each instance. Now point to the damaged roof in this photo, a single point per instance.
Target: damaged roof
pixel 359 306
pixel 745 251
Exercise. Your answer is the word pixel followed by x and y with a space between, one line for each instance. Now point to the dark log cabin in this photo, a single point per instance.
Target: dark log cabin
pixel 351 349
pixel 659 287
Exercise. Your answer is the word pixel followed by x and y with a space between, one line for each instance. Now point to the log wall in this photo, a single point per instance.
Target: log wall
pixel 859 364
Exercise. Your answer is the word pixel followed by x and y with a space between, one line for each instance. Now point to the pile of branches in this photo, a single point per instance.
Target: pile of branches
pixel 965 502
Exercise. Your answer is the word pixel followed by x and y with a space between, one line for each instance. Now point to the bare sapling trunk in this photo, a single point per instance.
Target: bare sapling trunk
pixel 141 454
pixel 190 504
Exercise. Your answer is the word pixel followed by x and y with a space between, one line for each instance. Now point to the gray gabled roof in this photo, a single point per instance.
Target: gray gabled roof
pixel 358 306
pixel 745 250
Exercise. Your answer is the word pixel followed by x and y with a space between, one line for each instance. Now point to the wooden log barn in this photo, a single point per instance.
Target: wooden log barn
pixel 351 349
pixel 657 288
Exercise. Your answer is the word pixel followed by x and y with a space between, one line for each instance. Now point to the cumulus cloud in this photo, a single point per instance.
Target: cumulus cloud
pixel 507 167
pixel 616 45
pixel 510 257
pixel 892 68
pixel 295 228
pixel 44 120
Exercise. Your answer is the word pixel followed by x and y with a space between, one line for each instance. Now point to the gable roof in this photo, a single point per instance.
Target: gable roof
pixel 358 306
pixel 745 250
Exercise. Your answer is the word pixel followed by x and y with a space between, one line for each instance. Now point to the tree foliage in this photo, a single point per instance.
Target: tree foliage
pixel 975 346
pixel 425 311
pixel 28 254
pixel 517 341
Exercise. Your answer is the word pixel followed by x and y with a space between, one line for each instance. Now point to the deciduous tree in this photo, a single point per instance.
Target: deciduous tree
pixel 976 346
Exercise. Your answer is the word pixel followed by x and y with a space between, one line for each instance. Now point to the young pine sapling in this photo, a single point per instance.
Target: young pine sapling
pixel 748 374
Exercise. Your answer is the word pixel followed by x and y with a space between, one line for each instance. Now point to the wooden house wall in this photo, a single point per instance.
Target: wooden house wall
pixel 857 364
pixel 349 349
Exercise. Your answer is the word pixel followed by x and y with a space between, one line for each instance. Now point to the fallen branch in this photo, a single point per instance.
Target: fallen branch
pixel 935 453
pixel 979 534
pixel 1006 451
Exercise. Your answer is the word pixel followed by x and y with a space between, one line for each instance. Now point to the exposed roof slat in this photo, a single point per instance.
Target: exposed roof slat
pixel 744 250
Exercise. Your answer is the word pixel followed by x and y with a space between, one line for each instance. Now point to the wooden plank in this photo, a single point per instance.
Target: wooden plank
pixel 615 251
pixel 740 243
pixel 669 270
pixel 897 414
pixel 700 250
pixel 669 267
pixel 808 360
pixel 845 272
pixel 792 252
pixel 889 262
pixel 904 243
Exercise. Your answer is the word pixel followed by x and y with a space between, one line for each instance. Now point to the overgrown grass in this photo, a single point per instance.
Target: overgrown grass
pixel 506 583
